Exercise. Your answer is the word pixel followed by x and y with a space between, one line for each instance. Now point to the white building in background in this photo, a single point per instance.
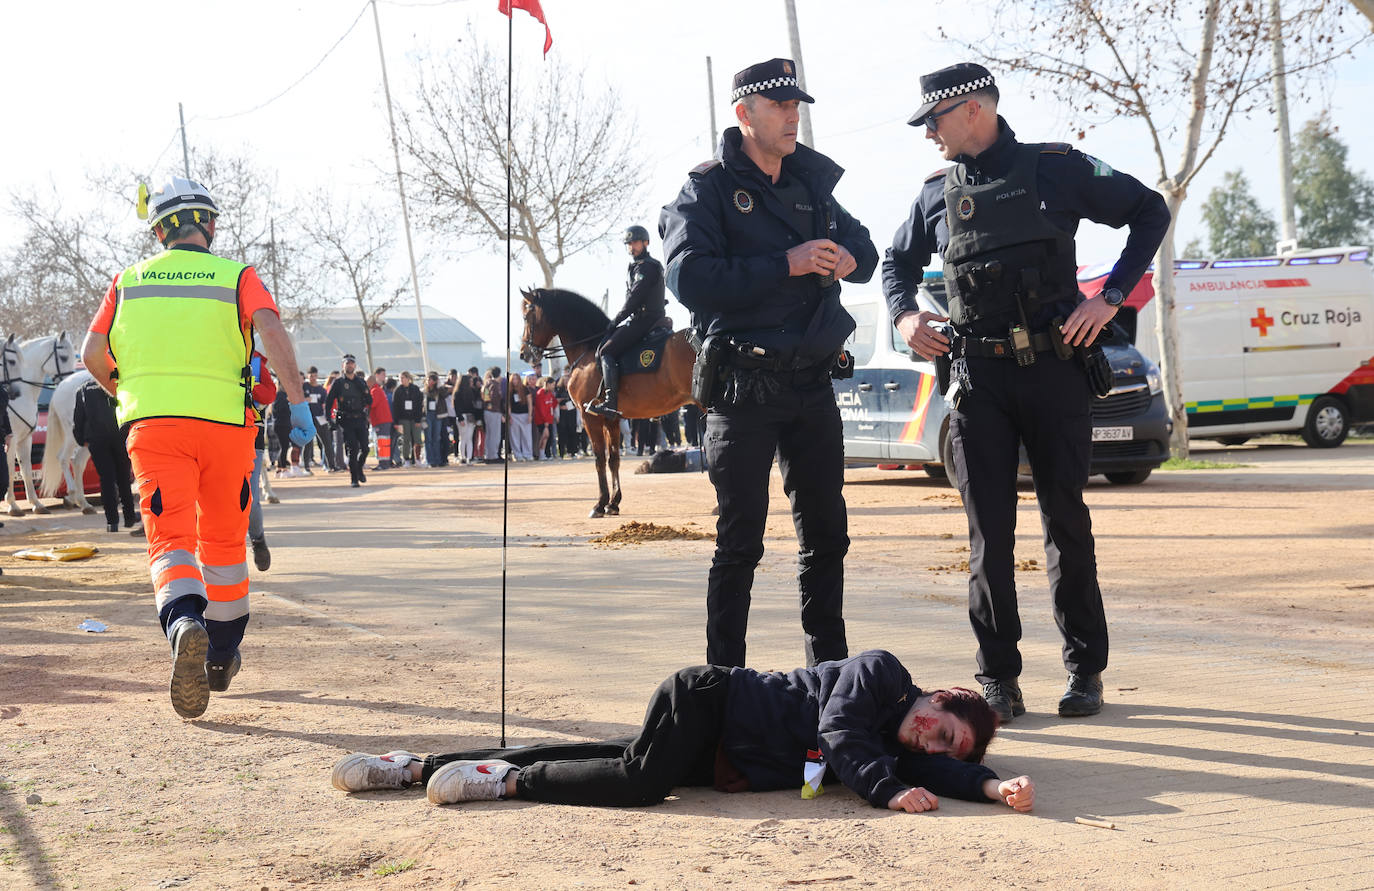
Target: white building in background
pixel 323 339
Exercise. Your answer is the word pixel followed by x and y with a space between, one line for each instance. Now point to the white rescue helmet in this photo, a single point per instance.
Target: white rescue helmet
pixel 185 200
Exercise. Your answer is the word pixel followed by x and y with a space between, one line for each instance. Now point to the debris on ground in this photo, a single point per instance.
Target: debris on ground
pixel 635 532
pixel 58 553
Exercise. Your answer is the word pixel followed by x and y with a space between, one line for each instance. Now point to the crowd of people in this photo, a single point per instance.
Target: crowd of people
pixel 457 419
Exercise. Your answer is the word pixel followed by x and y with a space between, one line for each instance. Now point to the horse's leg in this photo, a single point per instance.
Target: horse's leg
pixel 613 447
pixel 14 509
pixel 597 433
pixel 26 473
pixel 78 466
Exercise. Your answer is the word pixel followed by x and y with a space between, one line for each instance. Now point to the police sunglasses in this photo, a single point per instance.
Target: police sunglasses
pixel 931 121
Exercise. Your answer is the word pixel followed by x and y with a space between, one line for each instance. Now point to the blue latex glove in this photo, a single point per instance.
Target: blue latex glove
pixel 302 424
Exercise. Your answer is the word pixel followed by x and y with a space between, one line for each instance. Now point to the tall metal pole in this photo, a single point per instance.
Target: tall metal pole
pixel 505 467
pixel 795 37
pixel 400 187
pixel 711 102
pixel 185 151
pixel 1288 223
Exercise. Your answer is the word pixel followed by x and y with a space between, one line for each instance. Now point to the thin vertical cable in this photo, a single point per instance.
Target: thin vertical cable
pixel 505 440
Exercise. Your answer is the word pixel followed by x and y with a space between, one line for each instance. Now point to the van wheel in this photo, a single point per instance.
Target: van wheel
pixel 1233 440
pixel 1327 425
pixel 1128 477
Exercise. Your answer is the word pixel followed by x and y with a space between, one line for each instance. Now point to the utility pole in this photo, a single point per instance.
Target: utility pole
pixel 795 37
pixel 185 152
pixel 400 187
pixel 1288 224
pixel 272 242
pixel 711 104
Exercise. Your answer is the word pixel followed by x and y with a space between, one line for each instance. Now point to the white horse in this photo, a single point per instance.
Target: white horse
pixel 25 366
pixel 63 459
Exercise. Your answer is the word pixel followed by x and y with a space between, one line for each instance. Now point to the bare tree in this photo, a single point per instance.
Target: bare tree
pixel 570 179
pixel 1186 69
pixel 352 247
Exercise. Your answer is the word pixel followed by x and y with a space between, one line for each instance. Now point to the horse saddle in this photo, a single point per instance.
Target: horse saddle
pixel 646 355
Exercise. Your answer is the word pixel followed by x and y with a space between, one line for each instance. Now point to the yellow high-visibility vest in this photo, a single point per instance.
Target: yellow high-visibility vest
pixel 177 341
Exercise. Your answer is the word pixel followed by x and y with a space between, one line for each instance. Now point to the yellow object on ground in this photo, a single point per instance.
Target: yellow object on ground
pixel 60 553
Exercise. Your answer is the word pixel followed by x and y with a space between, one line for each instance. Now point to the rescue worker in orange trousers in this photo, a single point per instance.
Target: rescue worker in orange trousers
pixel 171 342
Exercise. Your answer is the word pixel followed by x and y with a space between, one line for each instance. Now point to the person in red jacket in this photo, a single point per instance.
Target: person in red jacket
pixel 545 405
pixel 379 416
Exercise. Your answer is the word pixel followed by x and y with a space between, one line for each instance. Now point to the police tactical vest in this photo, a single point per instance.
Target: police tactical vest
pixel 1004 257
pixel 177 340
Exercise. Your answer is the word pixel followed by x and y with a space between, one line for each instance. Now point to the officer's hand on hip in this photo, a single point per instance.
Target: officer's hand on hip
pixel 916 331
pixel 1087 320
pixel 302 423
pixel 819 256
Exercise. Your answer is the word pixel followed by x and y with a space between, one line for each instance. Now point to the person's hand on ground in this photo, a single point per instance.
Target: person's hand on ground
pixel 1017 793
pixel 914 801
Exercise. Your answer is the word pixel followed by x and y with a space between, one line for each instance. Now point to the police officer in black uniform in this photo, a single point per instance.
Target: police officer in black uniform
pixel 645 307
pixel 350 394
pixel 755 246
pixel 1003 218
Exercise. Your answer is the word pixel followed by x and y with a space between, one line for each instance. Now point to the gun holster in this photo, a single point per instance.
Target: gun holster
pixel 1098 368
pixel 944 361
pixel 706 371
pixel 843 369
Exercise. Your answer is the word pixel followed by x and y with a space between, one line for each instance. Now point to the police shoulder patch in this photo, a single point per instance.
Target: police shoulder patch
pixel 705 167
pixel 939 174
pixel 1055 148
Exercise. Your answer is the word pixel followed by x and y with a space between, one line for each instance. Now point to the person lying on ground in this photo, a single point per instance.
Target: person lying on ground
pixel 860 720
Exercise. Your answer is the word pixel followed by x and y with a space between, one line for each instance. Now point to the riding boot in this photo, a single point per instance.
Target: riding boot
pixel 610 384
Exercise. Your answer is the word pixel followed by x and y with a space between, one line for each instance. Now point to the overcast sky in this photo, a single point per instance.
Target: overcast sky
pixel 86 88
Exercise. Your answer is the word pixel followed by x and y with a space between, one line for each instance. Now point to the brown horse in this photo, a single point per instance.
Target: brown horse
pixel 580 326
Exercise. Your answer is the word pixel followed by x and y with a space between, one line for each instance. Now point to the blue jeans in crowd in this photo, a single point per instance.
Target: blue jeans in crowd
pixel 433 453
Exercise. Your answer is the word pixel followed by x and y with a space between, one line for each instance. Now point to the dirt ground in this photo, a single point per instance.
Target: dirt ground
pixel 1242 609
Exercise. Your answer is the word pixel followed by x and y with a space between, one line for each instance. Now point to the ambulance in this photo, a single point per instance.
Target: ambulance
pixel 1279 344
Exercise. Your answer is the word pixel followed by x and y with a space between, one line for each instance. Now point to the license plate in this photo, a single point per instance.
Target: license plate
pixel 1113 434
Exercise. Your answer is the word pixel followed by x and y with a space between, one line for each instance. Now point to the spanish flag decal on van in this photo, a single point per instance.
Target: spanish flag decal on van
pixel 916 424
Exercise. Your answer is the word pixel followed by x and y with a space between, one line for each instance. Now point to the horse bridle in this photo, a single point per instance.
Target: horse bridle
pixel 58 375
pixel 561 352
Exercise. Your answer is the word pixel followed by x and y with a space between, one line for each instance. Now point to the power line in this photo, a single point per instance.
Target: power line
pixel 298 80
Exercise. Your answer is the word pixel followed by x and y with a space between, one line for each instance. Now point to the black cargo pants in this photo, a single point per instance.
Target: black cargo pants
pixel 1047 406
pixel 800 424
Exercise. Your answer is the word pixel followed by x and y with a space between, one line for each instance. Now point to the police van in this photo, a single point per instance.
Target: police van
pixel 893 412
pixel 1279 344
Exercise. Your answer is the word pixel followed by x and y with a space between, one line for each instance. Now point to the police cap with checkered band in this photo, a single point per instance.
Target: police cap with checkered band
pixel 956 80
pixel 775 79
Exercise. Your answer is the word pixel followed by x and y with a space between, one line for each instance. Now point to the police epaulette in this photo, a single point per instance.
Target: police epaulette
pixel 705 167
pixel 939 174
pixel 1055 148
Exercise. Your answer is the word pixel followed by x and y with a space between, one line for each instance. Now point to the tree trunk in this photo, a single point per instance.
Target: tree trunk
pixel 367 338
pixel 1166 330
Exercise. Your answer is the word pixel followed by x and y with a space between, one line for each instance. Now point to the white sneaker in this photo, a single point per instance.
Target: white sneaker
pixel 361 772
pixel 468 781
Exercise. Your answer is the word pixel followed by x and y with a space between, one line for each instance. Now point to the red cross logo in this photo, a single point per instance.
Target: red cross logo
pixel 1262 322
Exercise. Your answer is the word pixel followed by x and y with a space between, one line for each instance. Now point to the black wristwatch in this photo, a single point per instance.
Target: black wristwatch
pixel 1113 296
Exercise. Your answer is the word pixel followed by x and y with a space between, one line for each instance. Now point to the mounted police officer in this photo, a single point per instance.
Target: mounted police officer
pixel 644 309
pixel 755 245
pixel 1021 350
pixel 351 395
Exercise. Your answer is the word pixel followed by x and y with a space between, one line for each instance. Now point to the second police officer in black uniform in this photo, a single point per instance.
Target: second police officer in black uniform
pixel 1003 219
pixel 348 399
pixel 645 307
pixel 755 245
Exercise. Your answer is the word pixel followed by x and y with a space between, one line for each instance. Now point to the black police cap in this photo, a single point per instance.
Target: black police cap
pixel 965 77
pixel 776 79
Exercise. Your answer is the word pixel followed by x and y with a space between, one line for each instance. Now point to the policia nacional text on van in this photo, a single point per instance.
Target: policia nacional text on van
pixel 1003 218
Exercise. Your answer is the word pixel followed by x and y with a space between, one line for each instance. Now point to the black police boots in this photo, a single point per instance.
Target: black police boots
pixel 219 674
pixel 1083 696
pixel 1004 698
pixel 610 385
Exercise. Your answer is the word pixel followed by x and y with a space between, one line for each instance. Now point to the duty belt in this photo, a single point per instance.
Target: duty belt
pixel 996 347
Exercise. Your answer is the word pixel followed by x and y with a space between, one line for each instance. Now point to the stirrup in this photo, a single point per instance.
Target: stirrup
pixel 600 408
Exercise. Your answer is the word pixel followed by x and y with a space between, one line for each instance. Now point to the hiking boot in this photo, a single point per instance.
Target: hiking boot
pixel 1004 698
pixel 262 557
pixel 1083 696
pixel 468 781
pixel 361 772
pixel 219 674
pixel 190 688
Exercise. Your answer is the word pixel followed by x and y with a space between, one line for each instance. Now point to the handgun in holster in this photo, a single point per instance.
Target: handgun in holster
pixel 942 361
pixel 843 369
pixel 706 371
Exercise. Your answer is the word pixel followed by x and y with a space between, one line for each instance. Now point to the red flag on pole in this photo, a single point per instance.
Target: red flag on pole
pixel 534 9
